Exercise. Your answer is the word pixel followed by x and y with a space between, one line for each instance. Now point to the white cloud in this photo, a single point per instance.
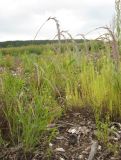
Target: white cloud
pixel 20 19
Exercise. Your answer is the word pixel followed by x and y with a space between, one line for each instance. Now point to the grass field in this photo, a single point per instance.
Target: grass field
pixel 37 88
pixel 38 85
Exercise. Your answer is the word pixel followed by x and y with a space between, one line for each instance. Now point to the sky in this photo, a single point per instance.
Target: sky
pixel 20 19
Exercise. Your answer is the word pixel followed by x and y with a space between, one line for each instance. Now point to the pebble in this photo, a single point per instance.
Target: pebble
pixel 62 158
pixel 60 138
pixel 76 130
pixel 99 147
pixel 72 130
pixel 113 158
pixel 59 150
pixel 50 144
pixel 87 149
pixel 85 152
pixel 81 156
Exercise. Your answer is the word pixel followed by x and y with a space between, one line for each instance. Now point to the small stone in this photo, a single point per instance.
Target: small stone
pixel 87 149
pixel 76 130
pixel 115 139
pixel 62 158
pixel 113 158
pixel 84 130
pixel 59 150
pixel 99 147
pixel 60 138
pixel 72 130
pixel 50 144
pixel 81 156
pixel 85 152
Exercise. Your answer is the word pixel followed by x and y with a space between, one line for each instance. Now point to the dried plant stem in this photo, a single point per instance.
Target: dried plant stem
pixel 40 28
pixel 114 44
pixel 118 20
pixel 58 32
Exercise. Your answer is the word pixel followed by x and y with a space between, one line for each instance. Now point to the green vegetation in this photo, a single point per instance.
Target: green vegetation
pixel 36 89
pixel 37 85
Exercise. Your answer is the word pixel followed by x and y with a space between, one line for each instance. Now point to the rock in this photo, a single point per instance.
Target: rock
pixel 14 73
pixel 50 144
pixel 76 130
pixel 115 139
pixel 87 149
pixel 60 138
pixel 85 152
pixel 99 147
pixel 72 130
pixel 59 150
pixel 81 157
pixel 113 158
pixel 62 158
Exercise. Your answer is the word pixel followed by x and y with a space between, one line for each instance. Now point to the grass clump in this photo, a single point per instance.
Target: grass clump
pixel 37 85
pixel 27 110
pixel 44 86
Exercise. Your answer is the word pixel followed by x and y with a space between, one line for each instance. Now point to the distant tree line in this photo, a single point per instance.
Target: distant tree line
pixel 8 44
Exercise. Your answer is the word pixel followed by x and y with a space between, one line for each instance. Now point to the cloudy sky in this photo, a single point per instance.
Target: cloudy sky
pixel 20 19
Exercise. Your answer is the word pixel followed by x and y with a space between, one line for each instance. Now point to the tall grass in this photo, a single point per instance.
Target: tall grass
pixel 37 88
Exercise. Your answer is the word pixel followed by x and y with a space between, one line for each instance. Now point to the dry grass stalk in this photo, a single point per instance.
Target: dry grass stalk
pixel 40 28
pixel 105 38
pixel 118 20
pixel 58 30
pixel 114 45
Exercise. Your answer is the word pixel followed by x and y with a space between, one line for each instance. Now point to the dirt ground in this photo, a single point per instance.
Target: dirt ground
pixel 75 140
